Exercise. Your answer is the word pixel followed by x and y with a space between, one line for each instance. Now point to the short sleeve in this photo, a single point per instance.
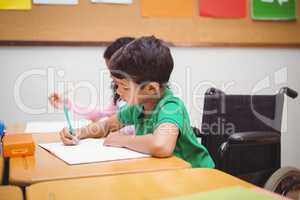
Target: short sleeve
pixel 127 115
pixel 171 112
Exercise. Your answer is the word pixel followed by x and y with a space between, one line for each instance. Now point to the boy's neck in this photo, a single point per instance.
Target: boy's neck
pixel 151 103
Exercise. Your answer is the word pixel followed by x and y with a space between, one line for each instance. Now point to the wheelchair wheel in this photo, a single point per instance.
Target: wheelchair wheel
pixel 285 181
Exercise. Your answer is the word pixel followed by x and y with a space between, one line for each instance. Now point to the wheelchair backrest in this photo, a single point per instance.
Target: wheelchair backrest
pixel 225 114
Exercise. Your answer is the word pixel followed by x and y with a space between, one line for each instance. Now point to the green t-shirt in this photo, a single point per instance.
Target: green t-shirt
pixel 169 109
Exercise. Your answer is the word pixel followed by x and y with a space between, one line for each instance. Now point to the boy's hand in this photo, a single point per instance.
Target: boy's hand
pixel 69 139
pixel 115 139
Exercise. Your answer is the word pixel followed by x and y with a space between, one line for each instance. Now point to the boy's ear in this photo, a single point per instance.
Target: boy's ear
pixel 153 88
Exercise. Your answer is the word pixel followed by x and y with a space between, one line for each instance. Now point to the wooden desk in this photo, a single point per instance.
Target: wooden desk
pixel 153 185
pixel 44 166
pixel 10 193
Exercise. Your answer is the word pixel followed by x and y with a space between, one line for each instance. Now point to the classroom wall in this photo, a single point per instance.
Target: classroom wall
pixel 29 74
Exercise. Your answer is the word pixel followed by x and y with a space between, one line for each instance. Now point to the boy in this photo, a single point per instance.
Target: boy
pixel 141 71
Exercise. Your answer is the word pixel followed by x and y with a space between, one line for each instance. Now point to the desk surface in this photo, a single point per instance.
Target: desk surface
pixel 44 166
pixel 10 193
pixel 153 185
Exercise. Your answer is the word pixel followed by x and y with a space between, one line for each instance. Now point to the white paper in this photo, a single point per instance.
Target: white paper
pixel 113 1
pixel 52 126
pixel 89 151
pixel 63 2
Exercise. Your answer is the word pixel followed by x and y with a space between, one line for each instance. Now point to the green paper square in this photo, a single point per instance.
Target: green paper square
pixel 273 9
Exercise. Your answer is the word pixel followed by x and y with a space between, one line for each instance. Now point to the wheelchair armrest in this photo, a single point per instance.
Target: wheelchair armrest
pixel 255 137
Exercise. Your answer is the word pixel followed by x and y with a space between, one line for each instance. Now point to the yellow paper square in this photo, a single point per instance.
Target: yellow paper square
pixel 15 4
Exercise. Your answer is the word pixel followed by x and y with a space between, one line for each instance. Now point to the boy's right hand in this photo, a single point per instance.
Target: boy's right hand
pixel 69 139
pixel 56 100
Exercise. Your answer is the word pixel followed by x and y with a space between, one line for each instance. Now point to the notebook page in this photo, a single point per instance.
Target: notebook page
pixel 89 151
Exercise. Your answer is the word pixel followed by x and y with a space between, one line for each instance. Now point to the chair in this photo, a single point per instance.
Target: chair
pixel 242 132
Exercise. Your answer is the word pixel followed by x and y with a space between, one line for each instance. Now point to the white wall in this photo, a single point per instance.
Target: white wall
pixel 234 70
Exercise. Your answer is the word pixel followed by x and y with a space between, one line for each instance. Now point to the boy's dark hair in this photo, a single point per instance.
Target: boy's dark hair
pixel 143 60
pixel 116 45
pixel 109 51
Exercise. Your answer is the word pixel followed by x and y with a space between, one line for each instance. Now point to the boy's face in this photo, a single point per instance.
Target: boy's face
pixel 131 92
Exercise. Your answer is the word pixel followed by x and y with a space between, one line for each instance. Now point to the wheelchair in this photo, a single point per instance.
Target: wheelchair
pixel 243 133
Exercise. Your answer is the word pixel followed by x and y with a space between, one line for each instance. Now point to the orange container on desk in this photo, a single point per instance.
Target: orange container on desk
pixel 19 144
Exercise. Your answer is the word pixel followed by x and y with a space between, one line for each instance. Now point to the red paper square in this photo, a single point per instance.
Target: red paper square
pixel 223 8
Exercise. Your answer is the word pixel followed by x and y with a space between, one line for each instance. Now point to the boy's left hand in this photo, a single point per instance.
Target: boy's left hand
pixel 115 139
